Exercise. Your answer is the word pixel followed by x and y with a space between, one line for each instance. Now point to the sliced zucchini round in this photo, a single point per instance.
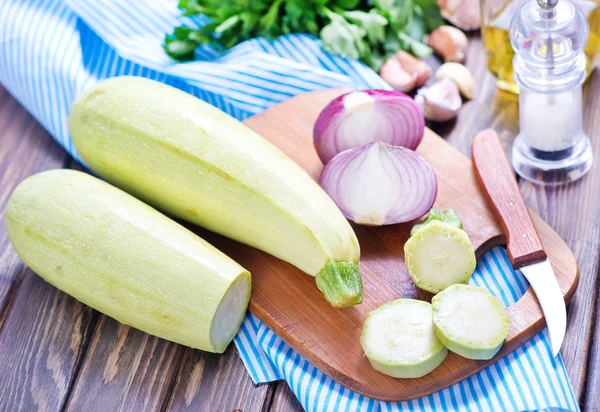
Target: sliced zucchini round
pixel 399 340
pixel 470 321
pixel 439 255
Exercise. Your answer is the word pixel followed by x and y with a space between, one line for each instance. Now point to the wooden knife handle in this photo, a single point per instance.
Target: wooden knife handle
pixel 498 181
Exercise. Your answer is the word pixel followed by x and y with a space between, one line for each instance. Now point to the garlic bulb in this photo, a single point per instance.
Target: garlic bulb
pixel 462 13
pixel 440 102
pixel 419 69
pixel 449 42
pixel 396 76
pixel 460 75
pixel 404 72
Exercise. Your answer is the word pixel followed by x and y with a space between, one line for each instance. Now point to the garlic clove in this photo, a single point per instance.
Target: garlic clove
pixel 396 76
pixel 440 102
pixel 449 6
pixel 404 72
pixel 449 42
pixel 419 69
pixel 460 75
pixel 462 13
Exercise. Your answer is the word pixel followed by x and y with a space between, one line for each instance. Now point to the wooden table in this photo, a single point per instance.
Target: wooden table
pixel 58 354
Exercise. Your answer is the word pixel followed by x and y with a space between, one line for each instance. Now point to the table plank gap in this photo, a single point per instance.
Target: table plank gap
pixel 591 396
pixel 272 388
pixel 41 328
pixel 12 291
pixel 166 402
pixel 218 382
pixel 83 353
pixel 40 346
pixel 125 369
pixel 284 399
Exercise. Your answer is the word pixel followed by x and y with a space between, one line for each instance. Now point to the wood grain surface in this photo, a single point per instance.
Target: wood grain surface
pixel 25 148
pixel 498 182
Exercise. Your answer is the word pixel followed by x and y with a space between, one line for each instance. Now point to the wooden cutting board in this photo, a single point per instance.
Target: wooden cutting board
pixel 288 301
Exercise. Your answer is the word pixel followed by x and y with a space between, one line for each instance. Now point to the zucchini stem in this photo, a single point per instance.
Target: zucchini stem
pixel 340 283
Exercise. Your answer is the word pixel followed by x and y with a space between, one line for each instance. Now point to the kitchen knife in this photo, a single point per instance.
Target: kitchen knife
pixel 524 247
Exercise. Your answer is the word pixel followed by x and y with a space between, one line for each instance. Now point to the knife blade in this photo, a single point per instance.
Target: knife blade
pixel 524 247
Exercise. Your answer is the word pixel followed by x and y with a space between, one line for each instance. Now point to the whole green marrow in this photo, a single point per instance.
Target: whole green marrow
pixel 195 162
pixel 125 259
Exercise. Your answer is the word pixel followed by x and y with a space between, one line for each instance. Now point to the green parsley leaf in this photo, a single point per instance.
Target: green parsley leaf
pixel 180 49
pixel 413 46
pixel 343 38
pixel 373 23
pixel 369 30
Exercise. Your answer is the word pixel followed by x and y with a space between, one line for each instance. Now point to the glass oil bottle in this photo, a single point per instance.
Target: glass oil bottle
pixel 496 17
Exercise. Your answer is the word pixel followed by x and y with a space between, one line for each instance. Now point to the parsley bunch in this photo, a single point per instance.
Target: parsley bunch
pixel 369 30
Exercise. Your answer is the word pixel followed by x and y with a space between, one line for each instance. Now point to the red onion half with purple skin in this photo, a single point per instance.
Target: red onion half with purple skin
pixel 378 184
pixel 361 117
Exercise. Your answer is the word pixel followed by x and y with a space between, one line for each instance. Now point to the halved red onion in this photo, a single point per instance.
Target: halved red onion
pixel 378 184
pixel 361 117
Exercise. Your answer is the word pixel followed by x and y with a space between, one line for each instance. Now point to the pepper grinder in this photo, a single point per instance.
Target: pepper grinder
pixel 548 37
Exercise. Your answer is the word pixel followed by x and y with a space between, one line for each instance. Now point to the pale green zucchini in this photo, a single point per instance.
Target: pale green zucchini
pixel 125 259
pixel 470 321
pixel 195 162
pixel 439 255
pixel 447 216
pixel 398 339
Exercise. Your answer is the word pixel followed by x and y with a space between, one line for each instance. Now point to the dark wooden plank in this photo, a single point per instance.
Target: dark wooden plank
pixel 125 370
pixel 591 400
pixel 579 203
pixel 211 382
pixel 284 399
pixel 41 344
pixel 43 331
pixel 25 148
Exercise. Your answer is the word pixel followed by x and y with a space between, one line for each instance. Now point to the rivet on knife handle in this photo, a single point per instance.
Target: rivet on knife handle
pixel 496 176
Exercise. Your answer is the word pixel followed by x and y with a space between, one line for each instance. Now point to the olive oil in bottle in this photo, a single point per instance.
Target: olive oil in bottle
pixel 496 18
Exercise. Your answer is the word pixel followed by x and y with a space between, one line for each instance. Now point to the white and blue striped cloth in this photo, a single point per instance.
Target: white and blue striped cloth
pixel 51 50
pixel 526 379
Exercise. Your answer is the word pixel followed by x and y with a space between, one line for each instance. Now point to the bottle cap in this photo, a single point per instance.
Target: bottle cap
pixel 548 37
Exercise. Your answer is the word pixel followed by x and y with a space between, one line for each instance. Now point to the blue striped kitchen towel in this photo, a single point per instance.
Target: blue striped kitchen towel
pixel 525 380
pixel 51 50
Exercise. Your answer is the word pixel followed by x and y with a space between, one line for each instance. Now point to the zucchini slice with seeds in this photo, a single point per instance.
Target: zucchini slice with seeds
pixel 399 340
pixel 439 255
pixel 470 321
